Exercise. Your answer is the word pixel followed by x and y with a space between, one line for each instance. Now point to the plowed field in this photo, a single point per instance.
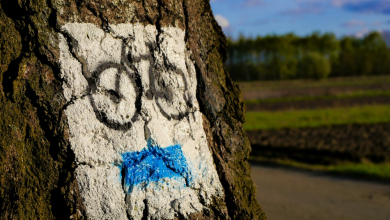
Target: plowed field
pixel 324 145
pixel 319 136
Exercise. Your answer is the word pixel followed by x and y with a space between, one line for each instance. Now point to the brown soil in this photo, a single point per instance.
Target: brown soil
pixel 263 93
pixel 324 145
pixel 319 104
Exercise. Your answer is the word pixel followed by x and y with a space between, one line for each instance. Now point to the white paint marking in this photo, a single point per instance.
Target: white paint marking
pixel 101 80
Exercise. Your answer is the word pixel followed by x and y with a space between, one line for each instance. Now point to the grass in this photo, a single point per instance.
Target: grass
pixel 355 94
pixel 338 81
pixel 318 117
pixel 365 169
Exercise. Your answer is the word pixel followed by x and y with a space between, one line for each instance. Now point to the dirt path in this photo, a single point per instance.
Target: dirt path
pixel 291 194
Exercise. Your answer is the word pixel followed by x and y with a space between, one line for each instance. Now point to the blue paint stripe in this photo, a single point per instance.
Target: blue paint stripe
pixel 154 164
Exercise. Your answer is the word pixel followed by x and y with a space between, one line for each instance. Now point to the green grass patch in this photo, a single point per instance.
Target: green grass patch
pixel 356 94
pixel 365 169
pixel 264 120
pixel 331 82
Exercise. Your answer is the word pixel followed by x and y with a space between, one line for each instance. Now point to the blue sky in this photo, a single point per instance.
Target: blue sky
pixel 302 17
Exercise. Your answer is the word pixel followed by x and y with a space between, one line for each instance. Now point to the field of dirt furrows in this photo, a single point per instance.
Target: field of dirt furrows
pixel 324 145
pixel 264 93
pixel 318 104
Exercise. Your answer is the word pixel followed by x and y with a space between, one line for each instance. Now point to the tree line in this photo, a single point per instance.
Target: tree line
pixel 316 56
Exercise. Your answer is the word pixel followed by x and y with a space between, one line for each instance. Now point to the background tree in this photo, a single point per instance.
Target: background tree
pixel 314 66
pixel 282 57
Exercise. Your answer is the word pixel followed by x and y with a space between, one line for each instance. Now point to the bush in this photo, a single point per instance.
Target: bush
pixel 314 66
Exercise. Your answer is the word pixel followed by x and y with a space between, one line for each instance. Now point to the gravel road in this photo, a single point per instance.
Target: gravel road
pixel 291 194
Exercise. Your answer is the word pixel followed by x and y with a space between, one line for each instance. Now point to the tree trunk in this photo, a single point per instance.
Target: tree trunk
pixel 119 110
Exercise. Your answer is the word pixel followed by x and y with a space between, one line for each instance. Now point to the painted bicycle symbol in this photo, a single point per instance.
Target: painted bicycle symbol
pixel 116 92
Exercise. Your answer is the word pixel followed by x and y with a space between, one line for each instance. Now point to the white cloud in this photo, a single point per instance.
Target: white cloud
pixel 253 2
pixel 353 23
pixel 362 33
pixel 222 21
pixel 340 3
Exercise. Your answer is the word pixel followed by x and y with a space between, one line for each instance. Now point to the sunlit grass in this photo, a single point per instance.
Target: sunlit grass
pixel 364 169
pixel 338 81
pixel 264 120
pixel 355 94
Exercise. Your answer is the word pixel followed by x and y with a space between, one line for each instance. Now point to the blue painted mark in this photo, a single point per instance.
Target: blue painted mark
pixel 154 164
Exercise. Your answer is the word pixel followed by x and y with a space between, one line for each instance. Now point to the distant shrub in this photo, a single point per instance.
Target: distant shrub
pixel 314 66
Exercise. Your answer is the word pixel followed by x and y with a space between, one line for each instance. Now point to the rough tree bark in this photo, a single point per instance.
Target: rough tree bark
pixel 40 163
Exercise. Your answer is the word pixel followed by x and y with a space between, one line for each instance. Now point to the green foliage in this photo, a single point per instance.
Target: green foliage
pixel 290 56
pixel 317 117
pixel 314 66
